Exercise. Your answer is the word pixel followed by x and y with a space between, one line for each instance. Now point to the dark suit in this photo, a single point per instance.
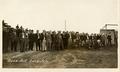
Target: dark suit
pixel 59 42
pixel 31 41
pixel 13 39
pixel 37 41
pixel 109 39
pixel 54 38
pixel 5 41
pixel 22 42
pixel 42 37
pixel 65 40
pixel 48 41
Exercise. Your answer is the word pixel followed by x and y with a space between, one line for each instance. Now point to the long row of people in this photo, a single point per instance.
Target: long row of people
pixel 51 40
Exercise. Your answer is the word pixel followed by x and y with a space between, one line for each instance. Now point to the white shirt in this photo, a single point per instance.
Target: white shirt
pixel 23 36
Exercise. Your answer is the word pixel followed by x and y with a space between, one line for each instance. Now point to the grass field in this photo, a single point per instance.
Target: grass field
pixel 69 58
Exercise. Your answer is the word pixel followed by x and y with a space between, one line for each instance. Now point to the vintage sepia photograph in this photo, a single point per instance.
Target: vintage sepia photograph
pixel 59 33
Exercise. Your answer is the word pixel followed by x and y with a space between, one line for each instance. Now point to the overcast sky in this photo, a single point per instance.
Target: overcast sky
pixel 80 15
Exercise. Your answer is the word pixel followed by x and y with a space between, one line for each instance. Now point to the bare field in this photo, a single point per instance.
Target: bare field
pixel 69 58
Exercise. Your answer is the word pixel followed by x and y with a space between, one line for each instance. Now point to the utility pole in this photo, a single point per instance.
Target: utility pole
pixel 65 25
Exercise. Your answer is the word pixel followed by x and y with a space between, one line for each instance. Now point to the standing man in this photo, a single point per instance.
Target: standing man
pixel 26 40
pixel 70 41
pixel 43 40
pixel 59 41
pixel 84 39
pixel 53 40
pixel 90 41
pixel 109 39
pixel 22 40
pixel 37 40
pixel 5 39
pixel 31 40
pixel 13 40
pixel 64 39
pixel 77 39
pixel 48 41
pixel 67 37
pixel 18 30
pixel 73 39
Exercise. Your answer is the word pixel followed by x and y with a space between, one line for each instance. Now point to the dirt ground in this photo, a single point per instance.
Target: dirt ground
pixel 69 58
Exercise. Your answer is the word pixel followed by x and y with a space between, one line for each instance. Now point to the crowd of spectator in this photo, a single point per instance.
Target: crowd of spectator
pixel 21 39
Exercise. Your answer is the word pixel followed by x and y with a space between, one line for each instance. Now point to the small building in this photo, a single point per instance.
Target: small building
pixel 112 32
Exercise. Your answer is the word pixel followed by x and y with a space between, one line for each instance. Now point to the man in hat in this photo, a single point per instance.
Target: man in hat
pixel 37 40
